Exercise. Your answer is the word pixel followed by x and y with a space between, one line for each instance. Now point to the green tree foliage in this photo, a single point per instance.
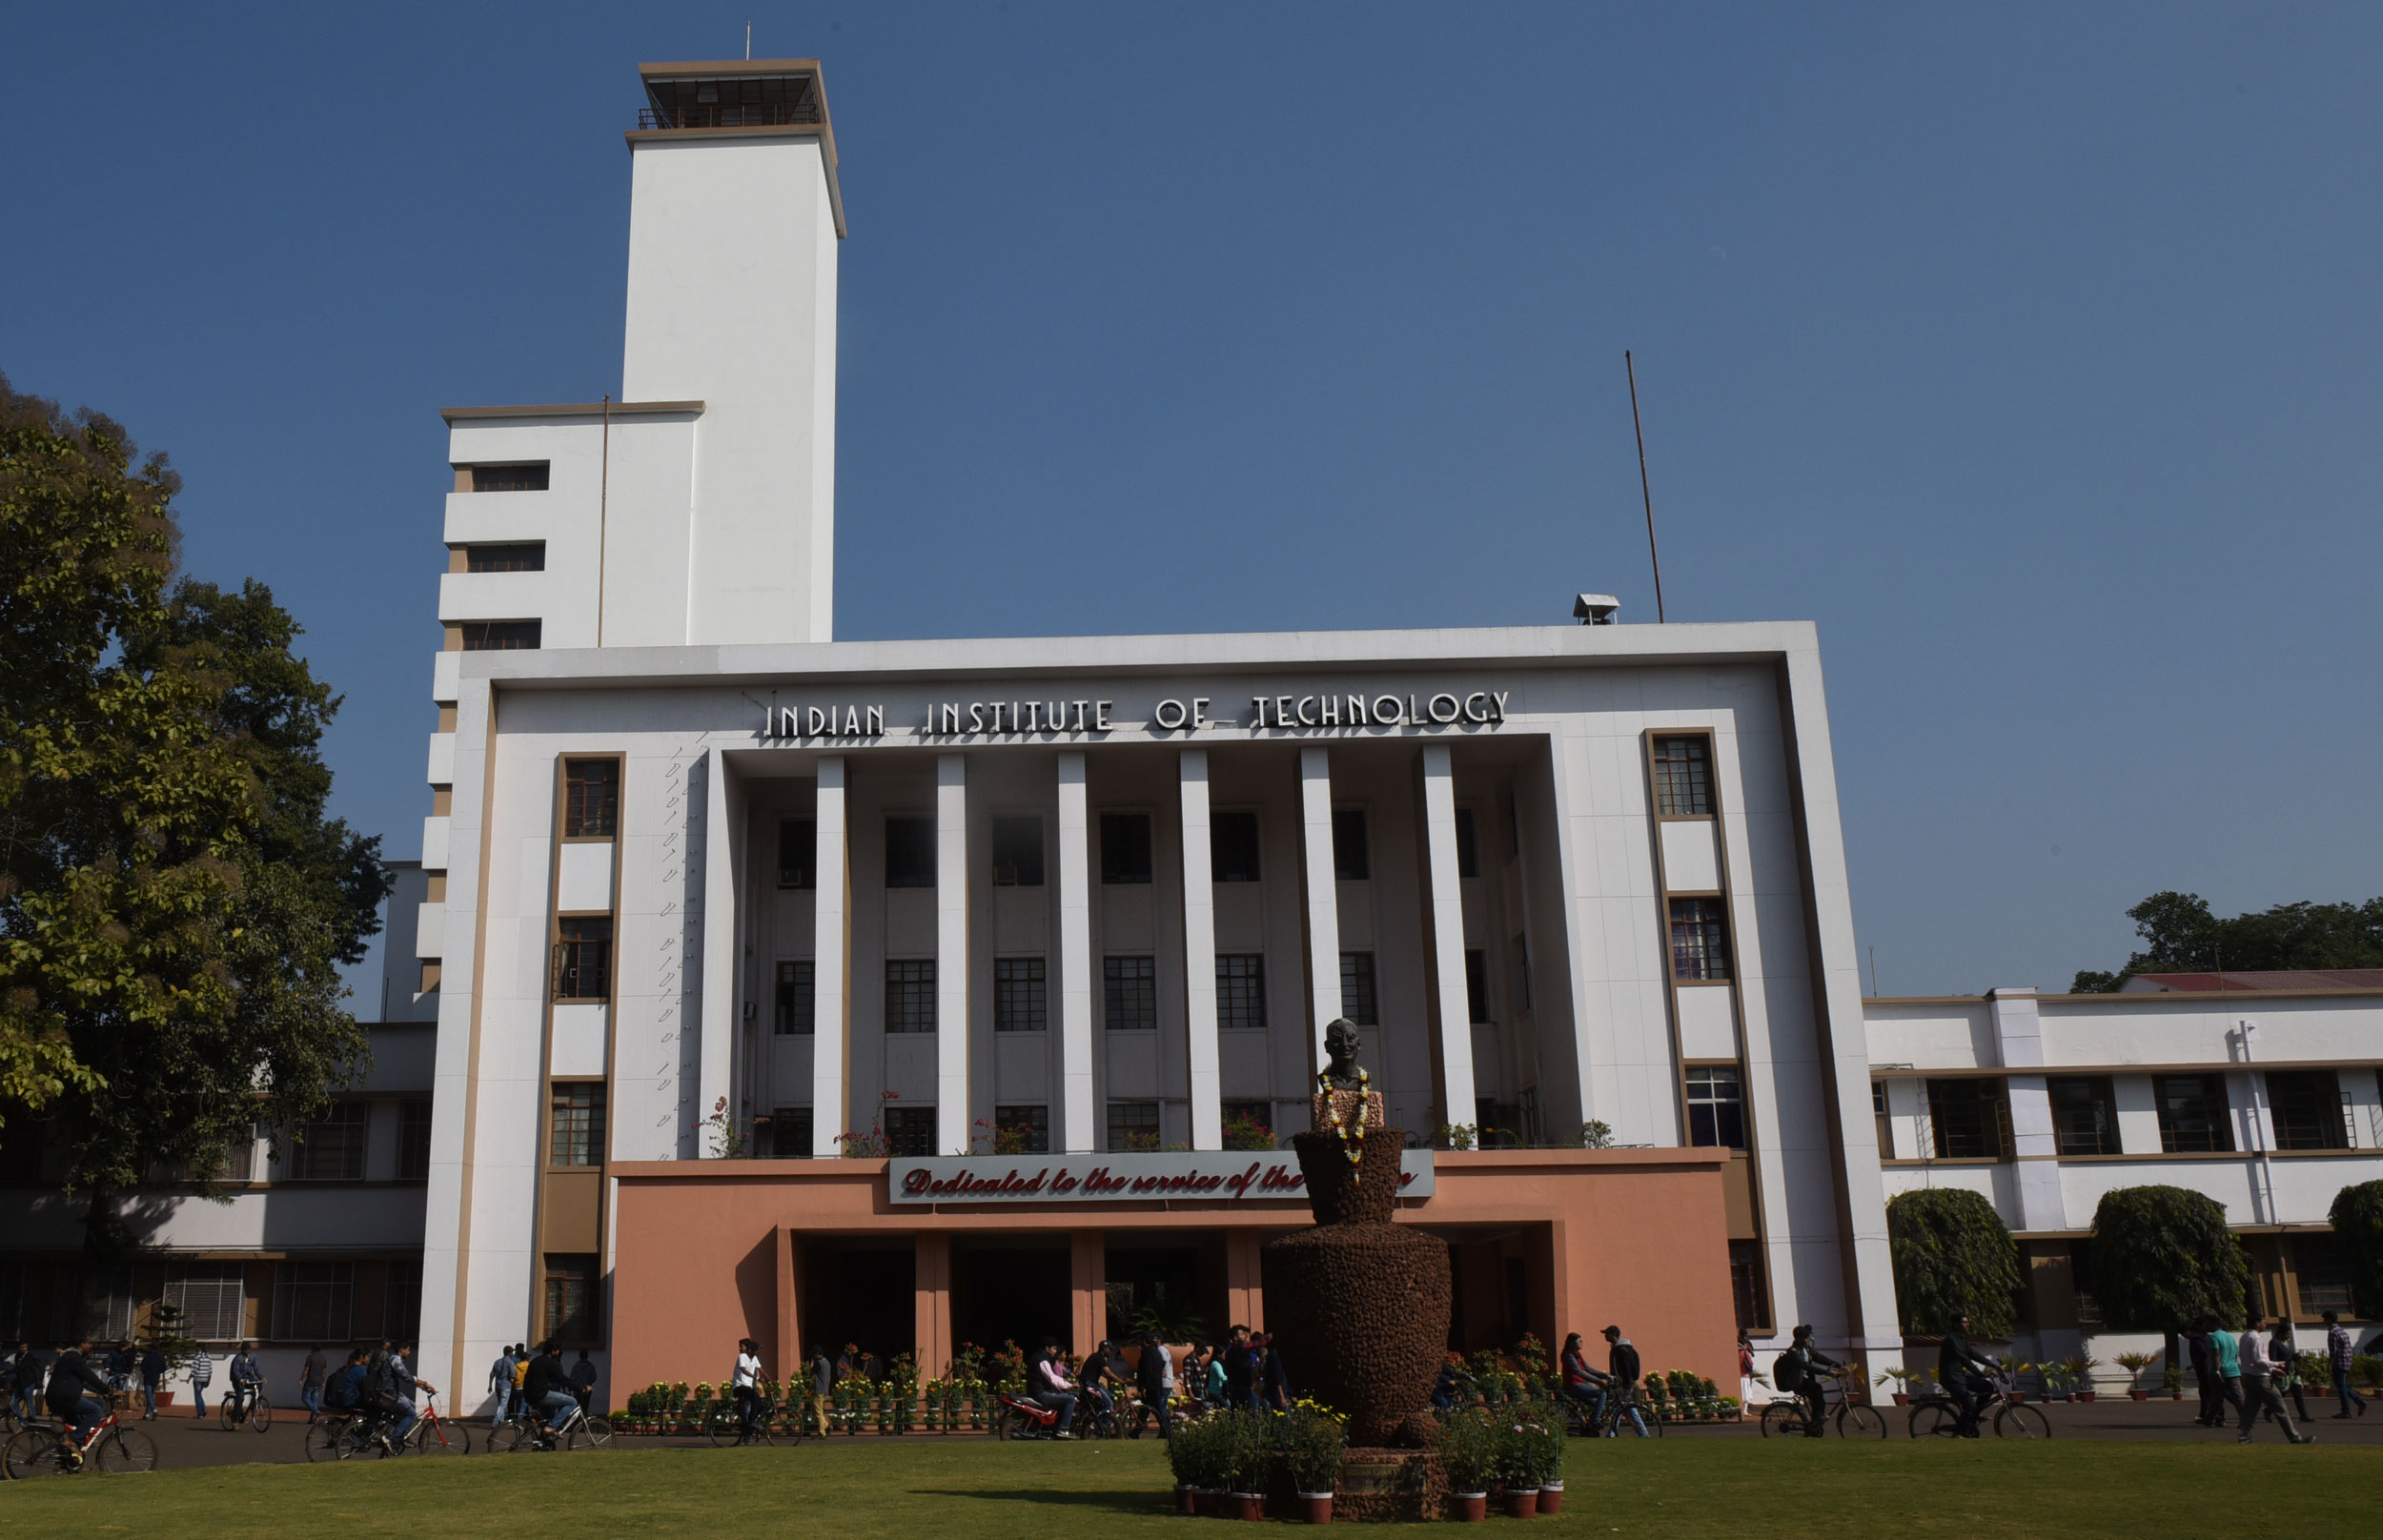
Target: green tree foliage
pixel 1953 1257
pixel 2181 936
pixel 2163 1258
pixel 2357 1217
pixel 173 902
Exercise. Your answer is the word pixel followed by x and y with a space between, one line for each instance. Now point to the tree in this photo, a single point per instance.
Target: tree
pixel 173 903
pixel 2181 936
pixel 2357 1217
pixel 2163 1258
pixel 1953 1257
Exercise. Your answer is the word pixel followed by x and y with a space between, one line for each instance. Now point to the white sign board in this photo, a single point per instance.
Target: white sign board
pixel 1224 1176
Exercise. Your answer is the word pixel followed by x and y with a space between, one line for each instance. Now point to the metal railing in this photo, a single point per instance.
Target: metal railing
pixel 729 116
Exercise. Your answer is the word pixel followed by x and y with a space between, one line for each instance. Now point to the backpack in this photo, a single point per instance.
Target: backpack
pixel 1788 1371
pixel 336 1389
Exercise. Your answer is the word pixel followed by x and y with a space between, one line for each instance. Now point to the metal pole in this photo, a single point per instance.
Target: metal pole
pixel 1647 496
pixel 603 499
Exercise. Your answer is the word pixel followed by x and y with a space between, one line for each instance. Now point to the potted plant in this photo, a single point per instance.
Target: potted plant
pixel 1515 1464
pixel 1246 1458
pixel 2080 1370
pixel 1904 1379
pixel 1311 1443
pixel 1542 1435
pixel 1465 1455
pixel 2134 1363
pixel 2174 1380
pixel 1189 1456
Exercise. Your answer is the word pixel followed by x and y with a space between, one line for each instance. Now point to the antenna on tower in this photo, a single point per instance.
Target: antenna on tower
pixel 1645 495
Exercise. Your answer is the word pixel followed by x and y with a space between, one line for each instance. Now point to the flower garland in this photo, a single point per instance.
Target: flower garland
pixel 1353 1147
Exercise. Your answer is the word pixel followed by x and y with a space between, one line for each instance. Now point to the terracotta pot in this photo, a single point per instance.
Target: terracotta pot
pixel 1902 1399
pixel 2084 1398
pixel 1521 1503
pixel 1552 1497
pixel 2140 1395
pixel 1317 1507
pixel 1187 1500
pixel 1206 1504
pixel 2018 1398
pixel 1248 1507
pixel 1467 1507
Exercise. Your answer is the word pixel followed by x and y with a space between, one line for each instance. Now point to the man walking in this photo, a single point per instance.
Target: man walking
pixel 154 1367
pixel 1154 1371
pixel 2225 1350
pixel 584 1380
pixel 500 1382
pixel 2203 1360
pixel 202 1370
pixel 2259 1377
pixel 2339 1355
pixel 311 1381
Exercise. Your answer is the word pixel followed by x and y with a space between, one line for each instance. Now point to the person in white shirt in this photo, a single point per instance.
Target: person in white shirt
pixel 747 1386
pixel 2259 1377
pixel 1051 1386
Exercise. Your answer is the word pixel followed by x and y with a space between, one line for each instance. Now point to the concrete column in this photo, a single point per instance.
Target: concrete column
pixel 1445 909
pixel 932 1289
pixel 831 973
pixel 788 1350
pixel 1323 895
pixel 1245 1288
pixel 1088 1279
pixel 1199 958
pixel 1075 959
pixel 2019 1043
pixel 951 954
pixel 717 1048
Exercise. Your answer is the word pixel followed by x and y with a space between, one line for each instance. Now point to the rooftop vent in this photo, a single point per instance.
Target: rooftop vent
pixel 1596 609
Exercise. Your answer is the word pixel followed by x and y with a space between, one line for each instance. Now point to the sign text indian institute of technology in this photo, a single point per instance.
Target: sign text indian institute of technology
pixel 1279 712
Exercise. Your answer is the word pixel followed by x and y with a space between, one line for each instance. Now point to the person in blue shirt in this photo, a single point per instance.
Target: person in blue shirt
pixel 397 1386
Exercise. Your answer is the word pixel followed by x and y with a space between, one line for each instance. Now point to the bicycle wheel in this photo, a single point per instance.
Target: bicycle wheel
pixel 511 1438
pixel 1783 1419
pixel 2021 1422
pixel 325 1437
pixel 442 1438
pixel 1859 1420
pixel 260 1415
pixel 1929 1420
pixel 223 1414
pixel 34 1453
pixel 125 1452
pixel 590 1433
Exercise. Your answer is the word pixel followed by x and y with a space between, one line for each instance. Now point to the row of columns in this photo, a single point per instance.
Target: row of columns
pixel 1076 1129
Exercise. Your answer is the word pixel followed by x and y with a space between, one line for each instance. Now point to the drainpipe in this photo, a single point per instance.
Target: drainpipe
pixel 2258 1119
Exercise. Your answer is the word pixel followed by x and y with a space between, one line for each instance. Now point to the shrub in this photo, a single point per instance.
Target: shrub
pixel 2357 1217
pixel 1310 1443
pixel 1522 1456
pixel 1243 1132
pixel 1953 1257
pixel 1249 1448
pixel 1192 1452
pixel 1467 1449
pixel 2163 1258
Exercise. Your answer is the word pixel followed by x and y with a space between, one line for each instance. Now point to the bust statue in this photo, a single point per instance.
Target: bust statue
pixel 1340 1056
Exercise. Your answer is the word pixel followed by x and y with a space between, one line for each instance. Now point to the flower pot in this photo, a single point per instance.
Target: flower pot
pixel 2139 1395
pixel 1248 1507
pixel 1552 1497
pixel 1902 1400
pixel 1207 1501
pixel 2084 1398
pixel 1187 1499
pixel 2018 1398
pixel 1317 1507
pixel 1521 1503
pixel 1467 1507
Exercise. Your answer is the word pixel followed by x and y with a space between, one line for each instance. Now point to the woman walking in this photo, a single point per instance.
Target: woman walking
pixel 746 1386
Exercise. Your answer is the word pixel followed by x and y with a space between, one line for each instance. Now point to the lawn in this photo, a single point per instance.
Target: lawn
pixel 931 1490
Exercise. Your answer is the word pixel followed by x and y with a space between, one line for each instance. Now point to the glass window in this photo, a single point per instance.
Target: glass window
pixel 110 1303
pixel 576 1134
pixel 796 1008
pixel 2193 1113
pixel 1681 782
pixel 1131 987
pixel 2306 1105
pixel 527 555
pixel 1132 1125
pixel 2323 1271
pixel 500 635
pixel 1241 990
pixel 314 1301
pixel 412 1140
pixel 1019 1003
pixel 401 1301
pixel 1746 1285
pixel 1017 852
pixel 910 995
pixel 1468 844
pixel 1252 1117
pixel 1125 847
pixel 1884 1129
pixel 1351 861
pixel 209 1296
pixel 909 852
pixel 583 958
pixel 1700 940
pixel 790 1134
pixel 1021 1130
pixel 798 853
pixel 1717 1106
pixel 571 1300
pixel 591 799
pixel 529 478
pixel 1971 1118
pixel 332 1147
pixel 1356 989
pixel 1476 984
pixel 2084 1116
pixel 910 1130
pixel 1232 847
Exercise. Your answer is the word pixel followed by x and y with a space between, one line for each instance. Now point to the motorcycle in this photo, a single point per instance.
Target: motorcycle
pixel 1022 1417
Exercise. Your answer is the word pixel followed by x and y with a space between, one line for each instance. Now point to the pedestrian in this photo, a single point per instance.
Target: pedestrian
pixel 1214 1384
pixel 32 1369
pixel 2285 1348
pixel 822 1387
pixel 1236 1361
pixel 1273 1388
pixel 2338 1356
pixel 1154 1374
pixel 746 1385
pixel 2204 1358
pixel 520 1376
pixel 1251 1391
pixel 154 1367
pixel 20 1364
pixel 584 1381
pixel 1745 1372
pixel 1622 1364
pixel 202 1370
pixel 119 1367
pixel 311 1374
pixel 2226 1352
pixel 500 1383
pixel 2259 1377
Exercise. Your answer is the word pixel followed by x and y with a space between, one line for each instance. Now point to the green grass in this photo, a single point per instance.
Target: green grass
pixel 930 1490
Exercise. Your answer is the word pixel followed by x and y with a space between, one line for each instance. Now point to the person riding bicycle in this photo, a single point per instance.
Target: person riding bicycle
pixel 247 1381
pixel 1958 1370
pixel 746 1385
pixel 1097 1371
pixel 1797 1372
pixel 1050 1387
pixel 1622 1378
pixel 548 1388
pixel 78 1396
pixel 397 1386
pixel 1577 1382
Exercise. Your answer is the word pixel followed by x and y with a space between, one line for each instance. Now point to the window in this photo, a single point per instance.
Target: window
pixel 412 1140
pixel 209 1296
pixel 1125 847
pixel 2193 1113
pixel 1232 853
pixel 528 477
pixel 1886 1128
pixel 332 1147
pixel 571 1299
pixel 1241 990
pixel 1351 860
pixel 2307 1108
pixel 530 556
pixel 2323 1272
pixel 1476 984
pixel 909 852
pixel 577 1136
pixel 1356 989
pixel 1021 1130
pixel 591 799
pixel 1971 1118
pixel 2084 1119
pixel 1717 1106
pixel 797 1002
pixel 401 1301
pixel 583 959
pixel 798 853
pixel 910 995
pixel 1017 852
pixel 500 635
pixel 110 1303
pixel 910 1130
pixel 1700 942
pixel 790 1134
pixel 1682 785
pixel 314 1301
pixel 1130 984
pixel 1746 1284
pixel 1258 1117
pixel 1468 844
pixel 1132 1125
pixel 1019 1003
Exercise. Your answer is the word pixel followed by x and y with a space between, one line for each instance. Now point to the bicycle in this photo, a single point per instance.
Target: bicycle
pixel 345 1434
pixel 579 1430
pixel 433 1434
pixel 1934 1416
pixel 1854 1419
pixel 725 1425
pixel 41 1448
pixel 258 1414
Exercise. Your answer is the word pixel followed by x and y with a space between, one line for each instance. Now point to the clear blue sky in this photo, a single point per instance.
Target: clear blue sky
pixel 2031 351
